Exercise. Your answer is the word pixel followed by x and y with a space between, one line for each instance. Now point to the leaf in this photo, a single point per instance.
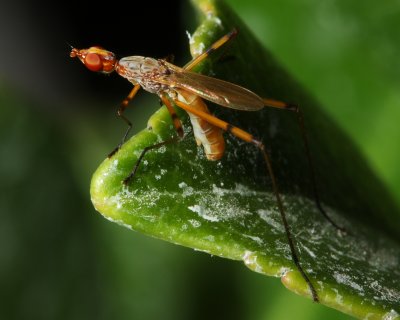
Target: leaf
pixel 227 208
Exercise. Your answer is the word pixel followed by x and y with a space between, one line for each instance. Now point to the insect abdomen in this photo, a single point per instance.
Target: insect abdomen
pixel 207 135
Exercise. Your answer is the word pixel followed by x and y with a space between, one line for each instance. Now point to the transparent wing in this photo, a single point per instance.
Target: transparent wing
pixel 218 91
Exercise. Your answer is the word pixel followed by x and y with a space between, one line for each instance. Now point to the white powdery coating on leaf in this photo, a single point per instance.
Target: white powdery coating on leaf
pixel 249 257
pixel 311 253
pixel 346 280
pixel 282 271
pixel 120 222
pixel 266 215
pixel 256 239
pixel 250 260
pixel 203 212
pixel 182 185
pixel 112 169
pixel 391 315
pixel 383 257
pixel 212 206
pixel 117 200
pixel 145 200
pixel 239 190
pixel 339 297
pixel 187 191
pixel 195 223
pixel 149 218
pixel 210 238
pixel 386 294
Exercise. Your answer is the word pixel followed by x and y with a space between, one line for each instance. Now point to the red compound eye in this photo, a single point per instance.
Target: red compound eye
pixel 93 62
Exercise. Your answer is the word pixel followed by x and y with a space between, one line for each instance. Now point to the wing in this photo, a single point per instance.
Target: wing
pixel 218 91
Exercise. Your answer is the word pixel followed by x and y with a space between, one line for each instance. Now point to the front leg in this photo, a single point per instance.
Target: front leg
pixel 120 111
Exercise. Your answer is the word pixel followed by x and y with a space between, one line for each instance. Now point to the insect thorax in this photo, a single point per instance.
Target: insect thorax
pixel 145 71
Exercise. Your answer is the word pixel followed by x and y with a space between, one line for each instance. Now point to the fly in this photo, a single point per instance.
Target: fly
pixel 181 87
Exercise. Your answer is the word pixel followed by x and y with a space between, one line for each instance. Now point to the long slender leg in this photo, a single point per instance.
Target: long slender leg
pixel 241 134
pixel 129 178
pixel 300 119
pixel 120 114
pixel 217 44
pixel 178 127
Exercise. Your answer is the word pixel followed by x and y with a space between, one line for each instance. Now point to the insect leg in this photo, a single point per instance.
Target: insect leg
pixel 129 178
pixel 191 64
pixel 245 136
pixel 175 119
pixel 300 119
pixel 120 112
pixel 179 129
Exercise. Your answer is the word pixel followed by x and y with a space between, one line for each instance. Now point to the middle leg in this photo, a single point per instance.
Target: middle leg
pixel 179 129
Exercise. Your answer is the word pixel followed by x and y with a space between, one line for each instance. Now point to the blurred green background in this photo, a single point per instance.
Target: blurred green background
pixel 59 259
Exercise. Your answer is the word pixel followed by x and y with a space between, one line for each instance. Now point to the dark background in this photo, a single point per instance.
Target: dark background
pixel 59 259
pixel 36 37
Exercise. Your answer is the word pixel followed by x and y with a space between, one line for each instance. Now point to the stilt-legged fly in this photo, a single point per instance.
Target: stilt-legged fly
pixel 188 90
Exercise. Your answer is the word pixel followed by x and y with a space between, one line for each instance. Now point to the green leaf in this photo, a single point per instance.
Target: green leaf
pixel 227 208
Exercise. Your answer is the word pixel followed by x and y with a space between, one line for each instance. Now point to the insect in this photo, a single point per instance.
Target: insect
pixel 181 87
